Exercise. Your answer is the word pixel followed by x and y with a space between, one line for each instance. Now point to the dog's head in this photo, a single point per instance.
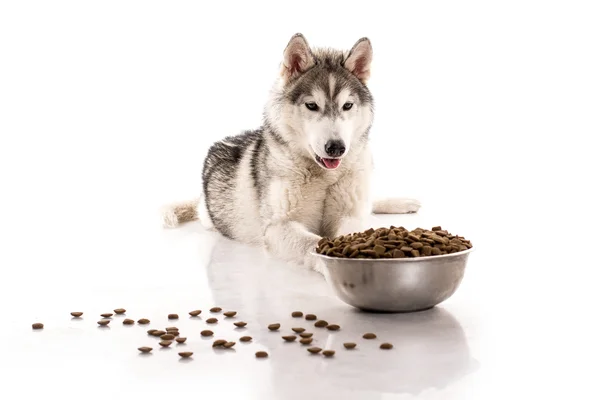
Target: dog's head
pixel 321 105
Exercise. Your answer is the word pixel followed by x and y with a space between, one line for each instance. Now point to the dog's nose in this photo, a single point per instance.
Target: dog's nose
pixel 335 148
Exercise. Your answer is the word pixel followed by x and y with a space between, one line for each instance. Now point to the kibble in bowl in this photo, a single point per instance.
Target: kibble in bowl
pixel 393 269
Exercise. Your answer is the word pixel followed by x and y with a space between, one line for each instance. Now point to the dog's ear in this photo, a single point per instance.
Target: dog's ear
pixel 297 57
pixel 359 60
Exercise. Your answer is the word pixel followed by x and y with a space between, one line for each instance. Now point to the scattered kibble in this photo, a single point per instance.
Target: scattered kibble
pixel 186 354
pixel 128 321
pixel 216 309
pixel 305 335
pixel 76 314
pixel 171 328
pixel 219 342
pixel 298 330
pixel 120 311
pixel 173 316
pixel 206 333
pixel 245 338
pixel 321 323
pixel 230 313
pixel 37 325
pixel 333 327
pixel 274 327
pixel 212 321
pixel 106 315
pixel 165 343
pixel 328 353
pixel 104 322
pixel 143 321
pixel 297 314
pixel 240 324
pixel 158 333
pixel 369 336
pixel 145 349
pixel 289 338
pixel 314 350
pixel 349 345
pixel 261 354
pixel 180 340
pixel 386 346
pixel 306 340
pixel 229 345
pixel 151 331
pixel 167 336
pixel 195 313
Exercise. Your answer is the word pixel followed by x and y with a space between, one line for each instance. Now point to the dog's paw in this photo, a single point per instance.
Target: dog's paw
pixel 396 206
pixel 169 217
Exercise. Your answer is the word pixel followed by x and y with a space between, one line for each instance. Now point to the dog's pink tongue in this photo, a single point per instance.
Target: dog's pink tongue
pixel 331 163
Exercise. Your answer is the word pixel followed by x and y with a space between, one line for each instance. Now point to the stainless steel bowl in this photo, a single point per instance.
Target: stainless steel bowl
pixel 395 284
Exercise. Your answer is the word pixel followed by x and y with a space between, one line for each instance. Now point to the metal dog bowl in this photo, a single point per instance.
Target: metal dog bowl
pixel 395 284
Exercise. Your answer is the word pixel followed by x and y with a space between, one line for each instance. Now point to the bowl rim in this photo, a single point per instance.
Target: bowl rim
pixel 396 260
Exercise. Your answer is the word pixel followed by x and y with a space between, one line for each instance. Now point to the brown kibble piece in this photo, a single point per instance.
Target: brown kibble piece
pixel 386 346
pixel 310 317
pixel 167 336
pixel 306 340
pixel 274 327
pixel 106 315
pixel 158 333
pixel 37 325
pixel 240 324
pixel 171 328
pixel 180 340
pixel 128 321
pixel 314 350
pixel 206 333
pixel 333 327
pixel 145 349
pixel 195 313
pixel 219 342
pixel 104 322
pixel 298 330
pixel 305 335
pixel 230 314
pixel 436 228
pixel 261 354
pixel 328 353
pixel 76 314
pixel 349 345
pixel 245 338
pixel 229 345
pixel 321 323
pixel 165 343
pixel 173 316
pixel 289 338
pixel 212 321
pixel 215 309
pixel 297 314
pixel 143 321
pixel 369 336
pixel 120 311
pixel 186 354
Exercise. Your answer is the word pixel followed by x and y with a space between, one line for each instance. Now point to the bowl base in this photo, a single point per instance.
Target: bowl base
pixel 371 310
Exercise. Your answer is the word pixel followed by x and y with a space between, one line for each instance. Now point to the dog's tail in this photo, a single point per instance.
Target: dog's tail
pixel 396 205
pixel 178 213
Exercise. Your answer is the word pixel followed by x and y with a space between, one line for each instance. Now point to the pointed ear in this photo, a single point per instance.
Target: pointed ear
pixel 359 60
pixel 297 57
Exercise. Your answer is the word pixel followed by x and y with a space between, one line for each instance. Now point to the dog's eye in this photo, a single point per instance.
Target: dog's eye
pixel 347 106
pixel 312 106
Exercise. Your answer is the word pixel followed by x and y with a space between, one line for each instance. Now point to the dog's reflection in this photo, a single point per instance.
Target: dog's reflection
pixel 430 347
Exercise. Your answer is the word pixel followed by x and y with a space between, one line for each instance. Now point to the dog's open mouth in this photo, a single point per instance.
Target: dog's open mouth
pixel 329 163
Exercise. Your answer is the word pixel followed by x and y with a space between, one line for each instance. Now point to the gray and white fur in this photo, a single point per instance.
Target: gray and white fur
pixel 306 172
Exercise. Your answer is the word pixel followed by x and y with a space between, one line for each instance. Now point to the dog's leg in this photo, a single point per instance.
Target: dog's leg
pixel 396 205
pixel 291 241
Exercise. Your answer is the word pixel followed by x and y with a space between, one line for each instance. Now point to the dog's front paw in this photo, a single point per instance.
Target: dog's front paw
pixel 396 206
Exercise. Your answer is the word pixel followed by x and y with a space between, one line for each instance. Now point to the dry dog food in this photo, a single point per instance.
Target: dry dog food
pixel 321 323
pixel 245 338
pixel 310 317
pixel 240 324
pixel 104 322
pixel 171 328
pixel 128 321
pixel 212 321
pixel 180 340
pixel 305 335
pixel 314 350
pixel 206 333
pixel 186 354
pixel 393 242
pixel 37 325
pixel 328 353
pixel 143 321
pixel 289 338
pixel 349 345
pixel 77 314
pixel 369 336
pixel 195 313
pixel 219 343
pixel 215 309
pixel 298 330
pixel 307 340
pixel 145 349
pixel 173 316
pixel 297 314
pixel 151 331
pixel 274 327
pixel 120 311
pixel 106 315
pixel 230 313
pixel 158 333
pixel 333 327
pixel 229 345
pixel 165 343
pixel 261 354
pixel 167 336
pixel 386 346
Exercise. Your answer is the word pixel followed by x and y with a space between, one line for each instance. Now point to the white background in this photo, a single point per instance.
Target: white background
pixel 488 112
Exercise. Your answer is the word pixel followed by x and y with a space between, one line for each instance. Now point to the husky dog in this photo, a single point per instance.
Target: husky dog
pixel 305 173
